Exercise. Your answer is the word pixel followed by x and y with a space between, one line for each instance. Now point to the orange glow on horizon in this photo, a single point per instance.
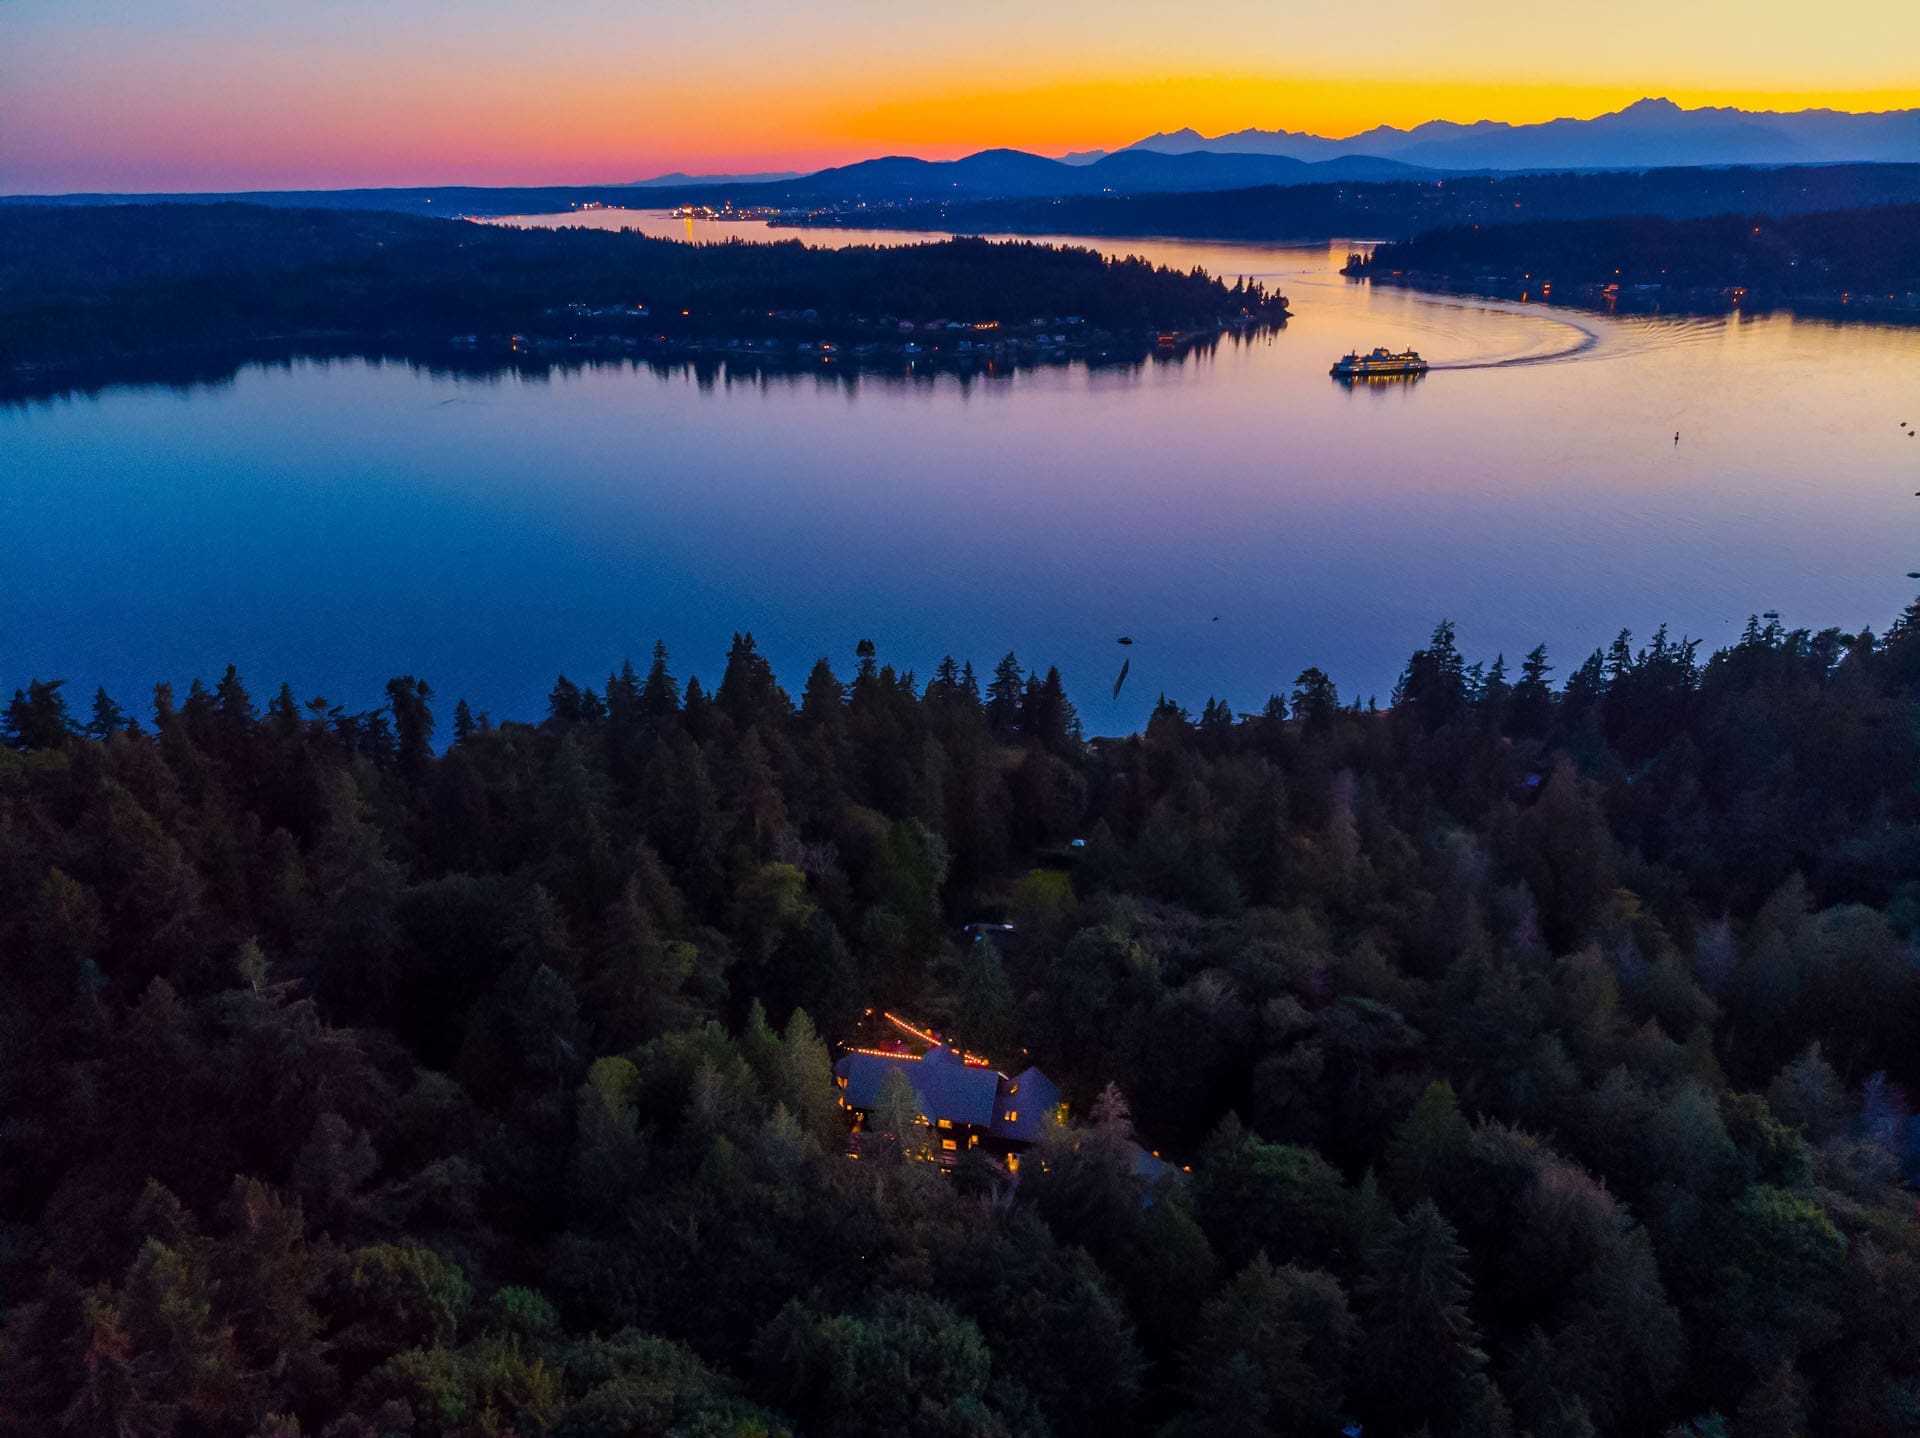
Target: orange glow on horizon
pixel 209 94
pixel 608 134
pixel 1111 113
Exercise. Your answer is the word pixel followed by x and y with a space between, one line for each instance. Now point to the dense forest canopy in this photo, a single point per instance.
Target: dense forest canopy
pixel 1865 252
pixel 1540 1048
pixel 86 285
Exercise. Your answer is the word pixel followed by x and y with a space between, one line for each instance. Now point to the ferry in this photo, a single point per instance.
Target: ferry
pixel 1381 361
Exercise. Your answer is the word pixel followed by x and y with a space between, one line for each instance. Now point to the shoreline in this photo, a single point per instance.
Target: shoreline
pixel 1651 300
pixel 190 366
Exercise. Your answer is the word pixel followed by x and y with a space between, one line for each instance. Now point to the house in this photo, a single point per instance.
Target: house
pixel 966 1104
pixel 964 1101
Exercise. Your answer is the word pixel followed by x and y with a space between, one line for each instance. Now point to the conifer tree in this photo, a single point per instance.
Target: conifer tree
pixel 108 717
pixel 1421 1342
pixel 660 695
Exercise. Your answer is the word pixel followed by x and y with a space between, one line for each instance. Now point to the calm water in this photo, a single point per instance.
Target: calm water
pixel 337 523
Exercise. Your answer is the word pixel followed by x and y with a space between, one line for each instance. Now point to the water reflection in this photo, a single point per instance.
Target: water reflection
pixel 1378 383
pixel 709 364
pixel 336 520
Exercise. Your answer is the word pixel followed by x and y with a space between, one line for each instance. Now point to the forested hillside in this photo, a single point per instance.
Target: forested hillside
pixel 1397 209
pixel 1863 254
pixel 1539 1049
pixel 107 288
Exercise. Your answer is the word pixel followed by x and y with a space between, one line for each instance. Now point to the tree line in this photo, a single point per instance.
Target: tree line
pixel 100 286
pixel 1866 252
pixel 1539 1047
pixel 1401 209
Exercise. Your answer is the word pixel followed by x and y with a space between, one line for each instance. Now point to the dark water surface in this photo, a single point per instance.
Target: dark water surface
pixel 334 523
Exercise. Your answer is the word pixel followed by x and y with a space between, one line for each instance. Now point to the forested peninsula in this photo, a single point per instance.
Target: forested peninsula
pixel 1865 260
pixel 1399 209
pixel 115 291
pixel 1533 1056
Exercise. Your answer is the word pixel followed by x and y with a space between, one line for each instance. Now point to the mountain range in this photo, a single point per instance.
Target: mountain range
pixel 1647 133
pixel 1015 174
pixel 681 178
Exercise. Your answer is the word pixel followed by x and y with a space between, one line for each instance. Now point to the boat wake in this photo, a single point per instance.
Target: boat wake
pixel 1587 341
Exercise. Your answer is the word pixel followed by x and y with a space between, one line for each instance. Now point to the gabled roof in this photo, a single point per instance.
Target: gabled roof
pixel 947 1086
pixel 1149 1167
pixel 1032 1097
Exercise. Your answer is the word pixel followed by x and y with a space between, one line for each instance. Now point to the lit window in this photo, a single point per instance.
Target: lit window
pixel 1013 1115
pixel 1013 1163
pixel 948 1144
pixel 946 1123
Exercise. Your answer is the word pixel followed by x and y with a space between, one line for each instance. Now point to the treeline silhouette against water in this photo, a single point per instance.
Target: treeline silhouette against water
pixel 1540 1051
pixel 1869 254
pixel 707 365
pixel 86 287
pixel 1399 209
pixel 1358 209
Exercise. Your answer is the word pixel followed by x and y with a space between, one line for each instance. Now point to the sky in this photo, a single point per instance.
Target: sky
pixel 159 95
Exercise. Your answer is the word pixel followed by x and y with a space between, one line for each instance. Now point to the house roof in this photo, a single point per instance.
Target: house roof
pixel 947 1085
pixel 1149 1167
pixel 1032 1097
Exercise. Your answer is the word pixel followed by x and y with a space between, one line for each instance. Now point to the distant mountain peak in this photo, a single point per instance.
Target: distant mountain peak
pixel 681 178
pixel 1650 133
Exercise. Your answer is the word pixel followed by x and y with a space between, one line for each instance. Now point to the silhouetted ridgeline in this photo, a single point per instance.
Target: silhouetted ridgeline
pixel 1541 1052
pixel 1389 209
pixel 1008 190
pixel 87 286
pixel 427 202
pixel 1856 256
